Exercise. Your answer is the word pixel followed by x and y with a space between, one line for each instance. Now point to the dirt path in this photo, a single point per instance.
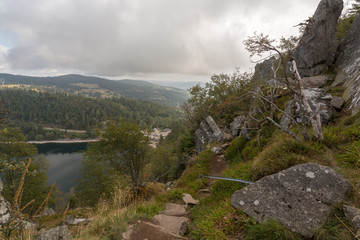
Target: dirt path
pixel 217 166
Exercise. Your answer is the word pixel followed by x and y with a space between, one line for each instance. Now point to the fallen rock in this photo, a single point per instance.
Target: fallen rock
pixel 348 65
pixel 173 209
pixel 208 132
pixel 4 207
pixel 337 102
pixel 57 233
pixel 149 231
pixel 188 199
pixel 298 198
pixel 317 47
pixel 353 215
pixel 173 224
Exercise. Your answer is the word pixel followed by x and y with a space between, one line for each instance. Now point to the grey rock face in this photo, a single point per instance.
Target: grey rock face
pixel 297 198
pixel 263 70
pixel 317 48
pixel 353 215
pixel 238 127
pixel 318 96
pixel 57 233
pixel 348 64
pixel 337 102
pixel 4 207
pixel 208 132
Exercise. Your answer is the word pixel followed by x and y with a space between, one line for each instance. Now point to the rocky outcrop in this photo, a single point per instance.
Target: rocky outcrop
pixel 316 81
pixel 298 198
pixel 4 207
pixel 263 70
pixel 238 127
pixel 348 65
pixel 208 132
pixel 317 48
pixel 314 96
pixel 61 232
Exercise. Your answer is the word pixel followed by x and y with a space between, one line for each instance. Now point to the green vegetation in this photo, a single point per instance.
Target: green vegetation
pixel 14 155
pixel 31 110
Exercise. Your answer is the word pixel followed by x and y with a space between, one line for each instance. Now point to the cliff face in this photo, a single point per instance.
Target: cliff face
pixel 317 49
pixel 348 66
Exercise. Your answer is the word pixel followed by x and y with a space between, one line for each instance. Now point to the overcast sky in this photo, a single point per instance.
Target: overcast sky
pixel 139 39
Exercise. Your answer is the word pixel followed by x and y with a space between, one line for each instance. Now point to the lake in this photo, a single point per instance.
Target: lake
pixel 64 162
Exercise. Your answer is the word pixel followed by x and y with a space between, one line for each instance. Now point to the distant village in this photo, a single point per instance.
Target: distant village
pixel 156 134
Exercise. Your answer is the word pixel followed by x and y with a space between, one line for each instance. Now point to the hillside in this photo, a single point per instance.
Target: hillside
pixel 99 87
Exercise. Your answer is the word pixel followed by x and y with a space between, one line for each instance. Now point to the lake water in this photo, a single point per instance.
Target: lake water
pixel 64 162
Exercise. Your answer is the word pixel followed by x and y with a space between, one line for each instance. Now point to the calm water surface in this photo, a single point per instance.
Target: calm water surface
pixel 64 162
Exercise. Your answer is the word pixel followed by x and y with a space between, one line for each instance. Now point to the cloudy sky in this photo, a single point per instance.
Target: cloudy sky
pixel 141 39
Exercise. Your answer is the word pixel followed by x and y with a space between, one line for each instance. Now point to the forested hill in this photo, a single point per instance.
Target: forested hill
pixel 79 112
pixel 100 87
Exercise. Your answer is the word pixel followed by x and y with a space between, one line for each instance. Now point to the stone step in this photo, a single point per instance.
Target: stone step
pixel 173 209
pixel 173 224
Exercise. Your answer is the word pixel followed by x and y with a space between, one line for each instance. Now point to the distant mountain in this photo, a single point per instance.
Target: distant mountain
pixel 99 87
pixel 178 84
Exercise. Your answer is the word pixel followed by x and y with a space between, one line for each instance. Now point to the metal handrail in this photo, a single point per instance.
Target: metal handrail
pixel 225 178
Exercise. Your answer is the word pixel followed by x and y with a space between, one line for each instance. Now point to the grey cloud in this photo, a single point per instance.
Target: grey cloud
pixel 125 37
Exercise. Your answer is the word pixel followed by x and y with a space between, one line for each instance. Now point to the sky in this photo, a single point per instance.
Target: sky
pixel 166 40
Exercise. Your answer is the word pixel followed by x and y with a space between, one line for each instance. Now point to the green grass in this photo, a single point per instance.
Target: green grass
pixel 283 152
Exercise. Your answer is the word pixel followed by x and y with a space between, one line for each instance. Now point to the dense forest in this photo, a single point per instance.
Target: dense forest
pixel 28 109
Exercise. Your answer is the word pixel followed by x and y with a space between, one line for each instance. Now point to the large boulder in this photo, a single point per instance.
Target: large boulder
pixel 317 48
pixel 298 198
pixel 208 132
pixel 348 65
pixel 4 207
pixel 57 233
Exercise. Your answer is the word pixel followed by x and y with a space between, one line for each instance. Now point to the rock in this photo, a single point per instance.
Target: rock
pixel 28 225
pixel 337 102
pixel 263 70
pixel 217 150
pixel 297 198
pixel 71 220
pixel 173 209
pixel 236 125
pixel 4 207
pixel 316 81
pixel 239 127
pixel 348 65
pixel 169 185
pixel 173 224
pixel 317 48
pixel 57 233
pixel 149 231
pixel 48 212
pixel 188 199
pixel 208 132
pixel 317 96
pixel 289 112
pixel 353 215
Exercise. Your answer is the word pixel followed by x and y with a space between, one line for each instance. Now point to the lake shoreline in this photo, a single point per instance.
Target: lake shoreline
pixel 64 141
